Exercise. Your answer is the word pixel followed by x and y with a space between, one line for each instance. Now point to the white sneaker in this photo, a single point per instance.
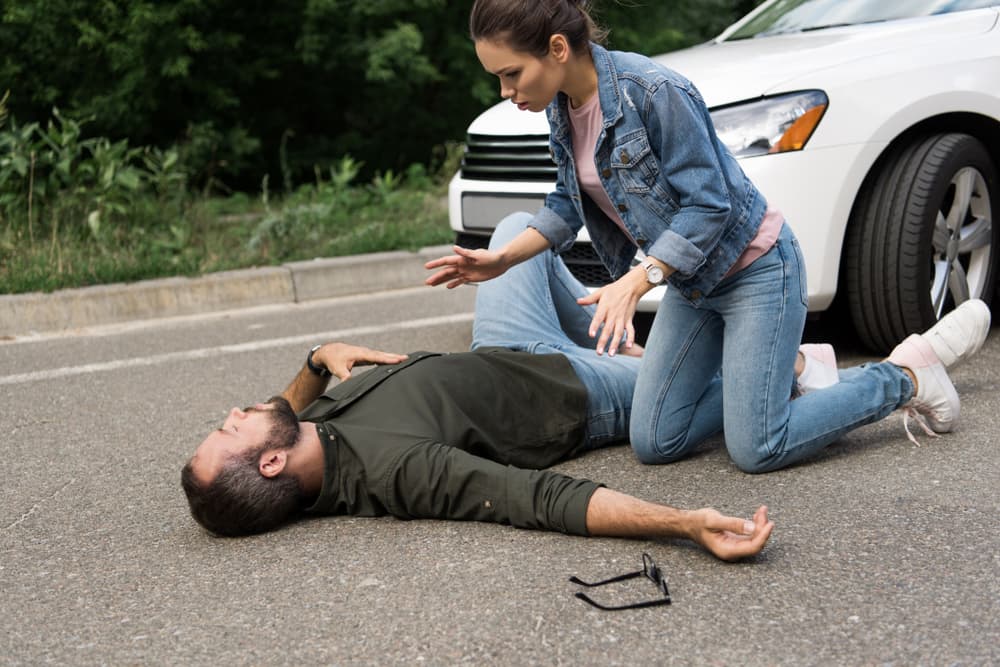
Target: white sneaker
pixel 935 403
pixel 820 369
pixel 959 334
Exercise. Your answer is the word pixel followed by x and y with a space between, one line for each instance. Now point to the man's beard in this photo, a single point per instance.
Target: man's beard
pixel 284 431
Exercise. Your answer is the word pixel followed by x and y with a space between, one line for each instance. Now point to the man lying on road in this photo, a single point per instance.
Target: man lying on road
pixel 452 436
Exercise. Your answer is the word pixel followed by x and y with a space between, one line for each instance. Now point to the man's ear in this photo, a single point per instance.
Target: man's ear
pixel 272 462
pixel 559 48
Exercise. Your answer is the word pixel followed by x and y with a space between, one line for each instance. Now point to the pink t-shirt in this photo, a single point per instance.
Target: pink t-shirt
pixel 585 122
pixel 767 234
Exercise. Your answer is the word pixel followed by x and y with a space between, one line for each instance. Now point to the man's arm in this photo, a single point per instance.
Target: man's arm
pixel 339 359
pixel 615 514
pixel 433 480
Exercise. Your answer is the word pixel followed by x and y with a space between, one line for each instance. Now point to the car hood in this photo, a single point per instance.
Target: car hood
pixel 732 71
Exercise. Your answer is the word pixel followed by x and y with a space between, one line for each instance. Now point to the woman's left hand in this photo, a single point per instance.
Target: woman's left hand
pixel 616 305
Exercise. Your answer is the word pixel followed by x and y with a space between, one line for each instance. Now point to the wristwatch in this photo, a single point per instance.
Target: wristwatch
pixel 315 368
pixel 654 274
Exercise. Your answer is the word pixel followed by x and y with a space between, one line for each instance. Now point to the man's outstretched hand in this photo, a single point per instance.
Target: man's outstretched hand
pixel 340 358
pixel 730 538
pixel 612 513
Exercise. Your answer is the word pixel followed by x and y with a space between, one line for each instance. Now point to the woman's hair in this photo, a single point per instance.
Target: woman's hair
pixel 527 25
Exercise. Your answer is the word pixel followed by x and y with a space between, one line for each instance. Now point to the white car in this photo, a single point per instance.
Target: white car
pixel 873 125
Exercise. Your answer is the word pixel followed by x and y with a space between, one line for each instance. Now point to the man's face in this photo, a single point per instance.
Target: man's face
pixel 271 425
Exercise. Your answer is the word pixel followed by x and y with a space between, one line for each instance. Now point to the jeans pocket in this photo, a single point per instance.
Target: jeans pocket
pixel 797 272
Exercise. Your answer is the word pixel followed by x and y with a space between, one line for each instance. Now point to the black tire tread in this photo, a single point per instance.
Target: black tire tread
pixel 888 241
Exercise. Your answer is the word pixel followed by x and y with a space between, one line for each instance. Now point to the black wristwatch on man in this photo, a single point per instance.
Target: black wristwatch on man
pixel 316 369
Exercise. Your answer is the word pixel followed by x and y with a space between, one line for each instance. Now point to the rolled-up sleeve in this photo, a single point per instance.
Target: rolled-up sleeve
pixel 435 481
pixel 554 228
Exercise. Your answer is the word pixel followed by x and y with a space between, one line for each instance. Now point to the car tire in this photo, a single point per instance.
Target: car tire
pixel 921 238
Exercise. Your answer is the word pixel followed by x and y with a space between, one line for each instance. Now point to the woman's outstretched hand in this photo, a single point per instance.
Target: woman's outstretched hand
pixel 465 266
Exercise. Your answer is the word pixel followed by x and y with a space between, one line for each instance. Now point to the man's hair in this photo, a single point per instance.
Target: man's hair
pixel 241 501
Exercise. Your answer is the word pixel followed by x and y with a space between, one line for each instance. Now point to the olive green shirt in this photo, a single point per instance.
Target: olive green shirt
pixel 456 436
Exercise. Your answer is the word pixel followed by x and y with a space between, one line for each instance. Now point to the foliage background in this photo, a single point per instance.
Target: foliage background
pixel 250 87
pixel 149 138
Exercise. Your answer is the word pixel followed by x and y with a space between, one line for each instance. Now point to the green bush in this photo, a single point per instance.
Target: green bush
pixel 77 211
pixel 234 80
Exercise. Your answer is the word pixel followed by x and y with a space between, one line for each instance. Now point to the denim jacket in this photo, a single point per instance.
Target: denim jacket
pixel 680 193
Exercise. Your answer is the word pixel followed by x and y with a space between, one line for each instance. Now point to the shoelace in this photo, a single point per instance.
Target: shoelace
pixel 913 411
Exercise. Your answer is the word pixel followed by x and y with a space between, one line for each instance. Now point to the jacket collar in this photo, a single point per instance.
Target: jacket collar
pixel 607 90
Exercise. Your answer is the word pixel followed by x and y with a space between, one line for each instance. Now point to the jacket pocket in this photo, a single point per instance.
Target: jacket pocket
pixel 638 172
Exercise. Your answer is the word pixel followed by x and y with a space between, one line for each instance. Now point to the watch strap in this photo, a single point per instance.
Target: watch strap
pixel 314 367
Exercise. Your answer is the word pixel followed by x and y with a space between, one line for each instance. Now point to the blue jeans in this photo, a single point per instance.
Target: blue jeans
pixel 532 307
pixel 749 327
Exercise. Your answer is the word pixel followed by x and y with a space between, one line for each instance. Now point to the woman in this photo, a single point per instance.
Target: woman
pixel 640 164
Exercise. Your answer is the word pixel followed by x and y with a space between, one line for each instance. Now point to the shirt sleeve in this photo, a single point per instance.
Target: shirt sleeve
pixel 434 481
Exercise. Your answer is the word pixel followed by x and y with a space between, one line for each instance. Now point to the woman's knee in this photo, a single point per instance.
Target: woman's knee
pixel 748 457
pixel 653 450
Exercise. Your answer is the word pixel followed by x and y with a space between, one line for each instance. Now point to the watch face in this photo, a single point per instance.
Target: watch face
pixel 654 274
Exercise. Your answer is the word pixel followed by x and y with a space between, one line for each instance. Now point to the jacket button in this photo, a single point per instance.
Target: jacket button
pixel 696 294
pixel 606 173
pixel 622 207
pixel 641 241
pixel 624 156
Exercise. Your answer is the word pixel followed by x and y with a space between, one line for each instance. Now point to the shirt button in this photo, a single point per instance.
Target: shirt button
pixel 488 504
pixel 606 173
pixel 622 207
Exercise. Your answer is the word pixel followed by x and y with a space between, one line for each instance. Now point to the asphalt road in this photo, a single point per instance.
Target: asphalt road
pixel 884 552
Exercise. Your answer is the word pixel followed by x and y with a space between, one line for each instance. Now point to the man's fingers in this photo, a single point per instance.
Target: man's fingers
pixel 760 516
pixel 737 525
pixel 380 357
pixel 733 525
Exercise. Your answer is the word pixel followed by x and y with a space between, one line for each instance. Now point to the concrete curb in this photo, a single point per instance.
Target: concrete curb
pixel 36 312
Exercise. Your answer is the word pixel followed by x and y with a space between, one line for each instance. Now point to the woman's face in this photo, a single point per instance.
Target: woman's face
pixel 529 82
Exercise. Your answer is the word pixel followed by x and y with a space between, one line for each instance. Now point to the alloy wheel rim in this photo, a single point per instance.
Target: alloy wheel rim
pixel 962 241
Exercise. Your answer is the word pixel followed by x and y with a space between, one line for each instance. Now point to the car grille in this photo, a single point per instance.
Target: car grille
pixel 522 157
pixel 581 260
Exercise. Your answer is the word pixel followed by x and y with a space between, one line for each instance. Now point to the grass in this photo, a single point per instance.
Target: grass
pixel 154 239
pixel 78 211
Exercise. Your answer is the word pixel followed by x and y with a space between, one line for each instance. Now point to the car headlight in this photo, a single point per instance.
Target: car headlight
pixel 771 124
